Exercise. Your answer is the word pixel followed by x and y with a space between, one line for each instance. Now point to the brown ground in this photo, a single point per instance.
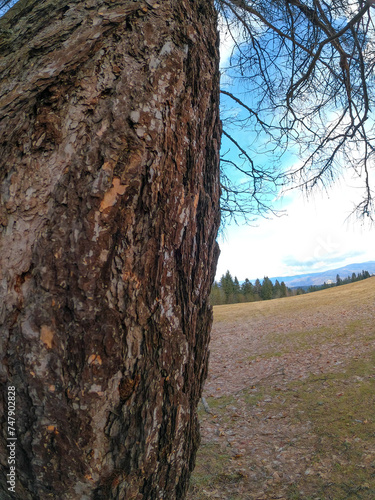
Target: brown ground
pixel 291 393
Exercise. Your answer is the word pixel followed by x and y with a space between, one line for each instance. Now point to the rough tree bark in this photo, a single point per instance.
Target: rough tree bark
pixel 109 138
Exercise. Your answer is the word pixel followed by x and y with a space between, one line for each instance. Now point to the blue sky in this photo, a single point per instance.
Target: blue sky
pixel 315 234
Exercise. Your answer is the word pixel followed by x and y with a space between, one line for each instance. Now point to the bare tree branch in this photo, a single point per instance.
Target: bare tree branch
pixel 308 67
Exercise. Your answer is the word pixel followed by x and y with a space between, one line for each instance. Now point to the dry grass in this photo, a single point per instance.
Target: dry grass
pixel 359 293
pixel 291 387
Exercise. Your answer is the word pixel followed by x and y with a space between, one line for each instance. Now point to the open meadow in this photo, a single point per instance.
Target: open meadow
pixel 291 390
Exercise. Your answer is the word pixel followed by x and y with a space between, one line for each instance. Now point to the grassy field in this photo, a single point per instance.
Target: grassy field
pixel 292 397
pixel 345 296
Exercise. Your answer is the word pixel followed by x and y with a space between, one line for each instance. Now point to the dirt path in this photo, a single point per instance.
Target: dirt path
pixel 270 366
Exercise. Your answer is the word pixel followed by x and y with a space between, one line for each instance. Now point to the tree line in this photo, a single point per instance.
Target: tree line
pixel 339 281
pixel 229 291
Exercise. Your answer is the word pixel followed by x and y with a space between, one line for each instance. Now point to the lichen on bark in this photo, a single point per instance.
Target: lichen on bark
pixel 109 138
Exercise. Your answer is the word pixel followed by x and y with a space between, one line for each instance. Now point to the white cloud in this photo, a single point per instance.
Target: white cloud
pixel 226 48
pixel 227 43
pixel 315 235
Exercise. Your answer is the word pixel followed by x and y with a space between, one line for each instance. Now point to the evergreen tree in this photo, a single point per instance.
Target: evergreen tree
pixel 227 285
pixel 277 290
pixel 257 289
pixel 217 295
pixel 247 289
pixel 267 289
pixel 284 291
pixel 236 286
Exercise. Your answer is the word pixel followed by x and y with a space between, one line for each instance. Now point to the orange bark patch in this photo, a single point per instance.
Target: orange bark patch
pixel 52 428
pixel 110 196
pixel 95 359
pixel 46 336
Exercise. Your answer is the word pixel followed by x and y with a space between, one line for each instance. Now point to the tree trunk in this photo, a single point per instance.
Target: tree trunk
pixel 109 179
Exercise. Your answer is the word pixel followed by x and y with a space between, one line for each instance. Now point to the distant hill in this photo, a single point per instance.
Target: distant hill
pixel 302 280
